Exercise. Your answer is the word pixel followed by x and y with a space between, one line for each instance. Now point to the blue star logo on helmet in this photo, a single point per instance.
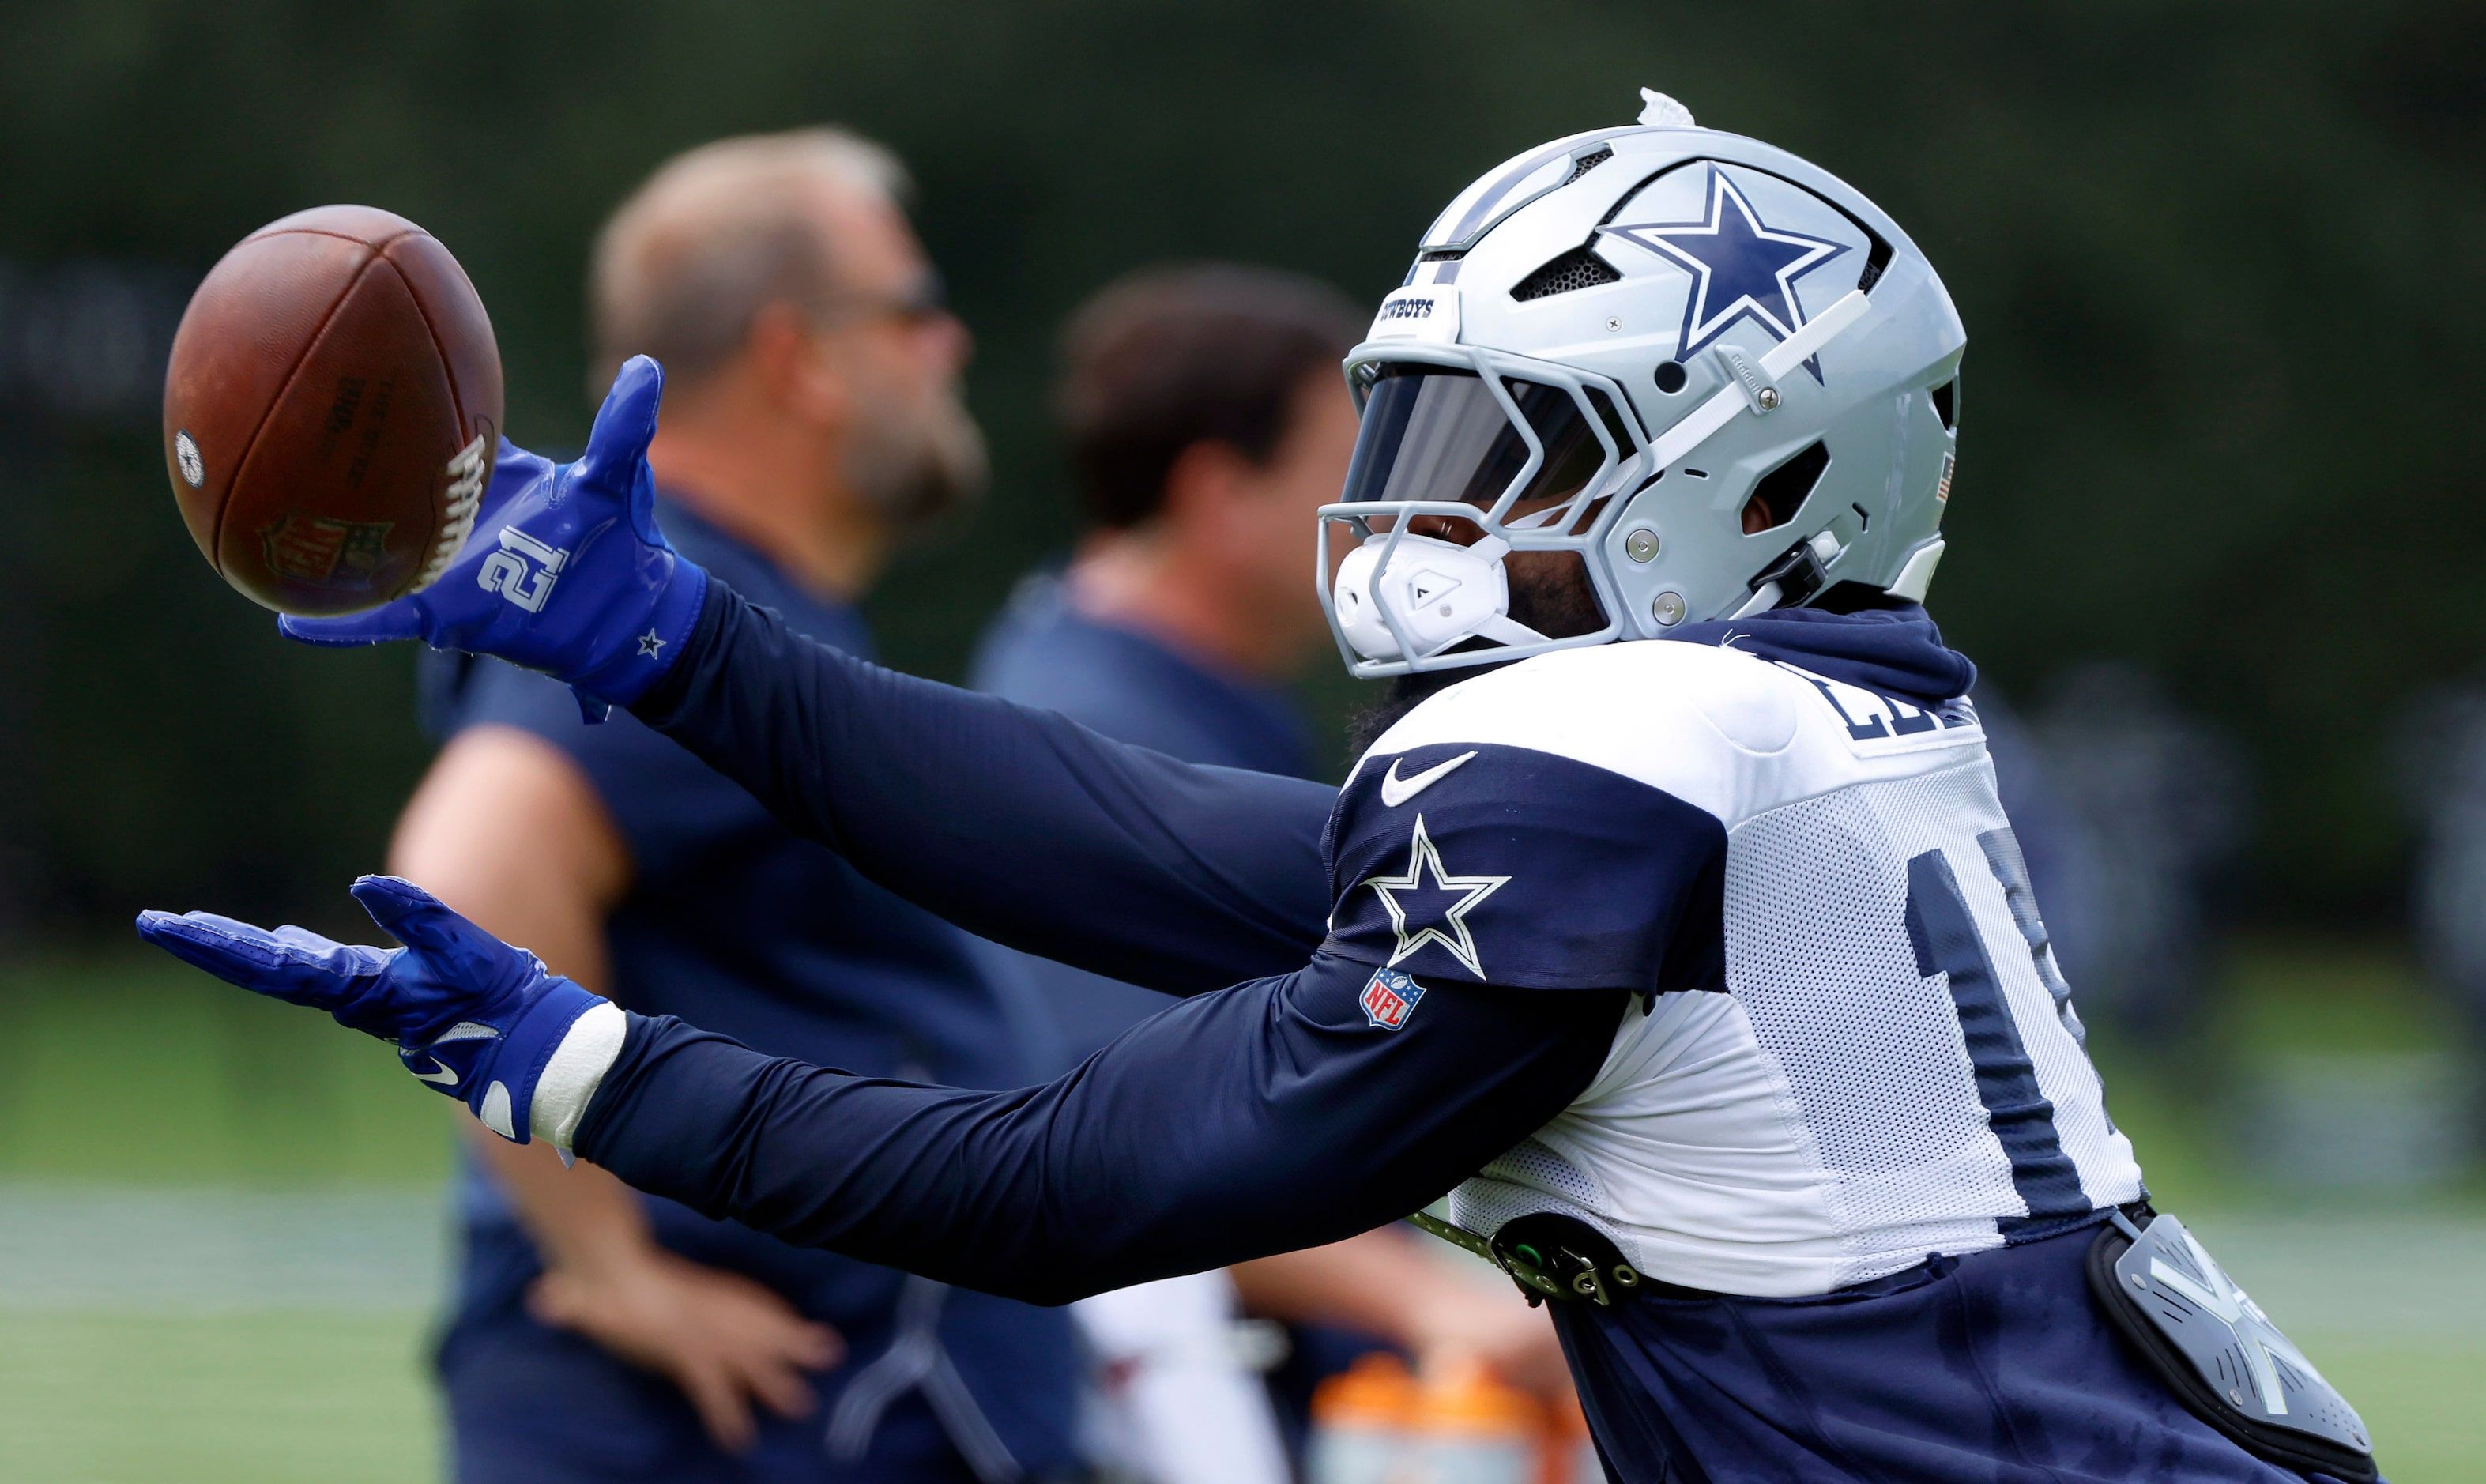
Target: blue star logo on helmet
pixel 1742 269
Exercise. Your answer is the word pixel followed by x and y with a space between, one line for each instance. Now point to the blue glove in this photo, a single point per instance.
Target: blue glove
pixel 472 1016
pixel 566 571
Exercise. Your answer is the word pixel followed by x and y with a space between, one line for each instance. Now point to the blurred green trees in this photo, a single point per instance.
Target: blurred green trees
pixel 2220 264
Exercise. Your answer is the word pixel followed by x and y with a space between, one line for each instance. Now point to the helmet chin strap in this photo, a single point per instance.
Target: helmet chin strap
pixel 1504 629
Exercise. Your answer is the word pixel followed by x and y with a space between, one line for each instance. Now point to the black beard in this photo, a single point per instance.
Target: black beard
pixel 1551 595
pixel 1403 695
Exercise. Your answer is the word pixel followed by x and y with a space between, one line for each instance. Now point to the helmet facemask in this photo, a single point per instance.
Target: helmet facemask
pixel 1466 458
pixel 1512 455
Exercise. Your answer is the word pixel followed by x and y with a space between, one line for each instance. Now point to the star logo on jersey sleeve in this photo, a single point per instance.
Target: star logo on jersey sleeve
pixel 1741 267
pixel 1423 912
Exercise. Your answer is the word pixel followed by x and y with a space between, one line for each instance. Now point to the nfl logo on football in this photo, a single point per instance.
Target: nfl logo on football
pixel 1390 998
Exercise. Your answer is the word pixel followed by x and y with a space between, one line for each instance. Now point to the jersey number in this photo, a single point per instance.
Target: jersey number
pixel 505 571
pixel 1945 935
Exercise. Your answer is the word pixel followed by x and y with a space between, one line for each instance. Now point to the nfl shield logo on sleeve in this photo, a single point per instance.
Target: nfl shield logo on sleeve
pixel 1390 998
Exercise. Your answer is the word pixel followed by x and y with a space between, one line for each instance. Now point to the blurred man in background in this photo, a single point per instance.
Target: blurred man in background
pixel 812 421
pixel 1207 422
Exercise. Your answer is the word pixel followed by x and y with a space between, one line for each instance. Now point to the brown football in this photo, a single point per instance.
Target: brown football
pixel 331 411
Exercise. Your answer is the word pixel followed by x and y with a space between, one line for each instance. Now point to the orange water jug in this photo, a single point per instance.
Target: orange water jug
pixel 1474 1428
pixel 1362 1423
pixel 1568 1456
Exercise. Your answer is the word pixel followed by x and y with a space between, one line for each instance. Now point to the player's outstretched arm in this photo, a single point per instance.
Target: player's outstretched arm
pixel 1021 825
pixel 1014 823
pixel 1273 1115
pixel 1447 1017
pixel 1265 1118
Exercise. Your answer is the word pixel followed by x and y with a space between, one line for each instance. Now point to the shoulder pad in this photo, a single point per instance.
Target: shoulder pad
pixel 1724 731
pixel 1518 867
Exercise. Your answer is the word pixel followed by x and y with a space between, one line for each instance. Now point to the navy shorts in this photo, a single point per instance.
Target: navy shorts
pixel 529 1404
pixel 1993 1368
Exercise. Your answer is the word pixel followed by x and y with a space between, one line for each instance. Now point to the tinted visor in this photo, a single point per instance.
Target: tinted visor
pixel 1432 432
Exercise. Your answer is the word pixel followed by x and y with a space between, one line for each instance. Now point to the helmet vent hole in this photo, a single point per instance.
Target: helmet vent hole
pixel 1578 268
pixel 1780 493
pixel 1670 376
pixel 1588 162
pixel 1943 404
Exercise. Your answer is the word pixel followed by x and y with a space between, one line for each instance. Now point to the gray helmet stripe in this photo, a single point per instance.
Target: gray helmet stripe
pixel 1483 210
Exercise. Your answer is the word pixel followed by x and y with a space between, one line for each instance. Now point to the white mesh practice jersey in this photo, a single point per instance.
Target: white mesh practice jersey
pixel 1856 1048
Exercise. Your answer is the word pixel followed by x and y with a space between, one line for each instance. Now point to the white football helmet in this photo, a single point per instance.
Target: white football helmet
pixel 1613 346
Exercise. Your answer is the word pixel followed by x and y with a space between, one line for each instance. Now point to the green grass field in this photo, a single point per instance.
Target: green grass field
pixel 254 1397
pixel 221 1236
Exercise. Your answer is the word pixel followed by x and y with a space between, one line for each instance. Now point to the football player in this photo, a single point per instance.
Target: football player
pixel 1673 928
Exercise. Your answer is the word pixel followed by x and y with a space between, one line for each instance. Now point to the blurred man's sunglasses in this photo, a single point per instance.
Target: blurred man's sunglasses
pixel 919 303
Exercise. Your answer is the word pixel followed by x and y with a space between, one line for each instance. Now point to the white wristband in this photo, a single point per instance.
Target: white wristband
pixel 578 1065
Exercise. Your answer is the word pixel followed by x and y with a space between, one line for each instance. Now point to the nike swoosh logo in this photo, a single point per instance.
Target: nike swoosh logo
pixel 446 1077
pixel 1396 790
